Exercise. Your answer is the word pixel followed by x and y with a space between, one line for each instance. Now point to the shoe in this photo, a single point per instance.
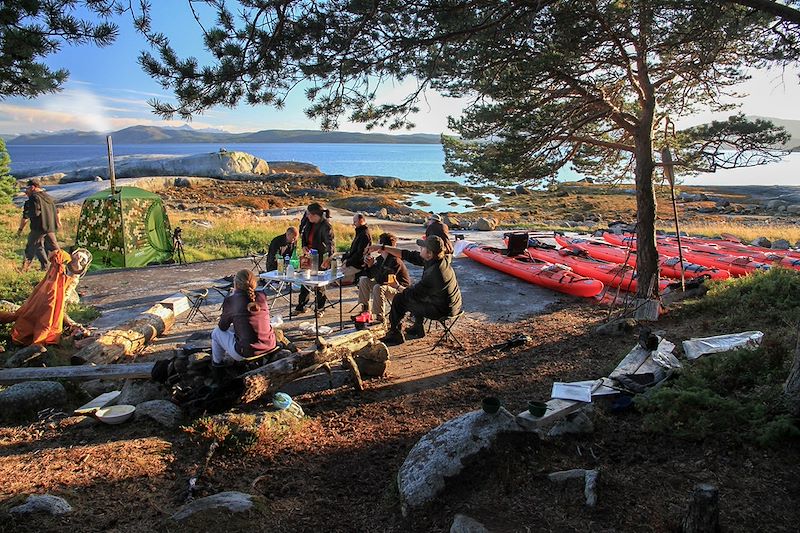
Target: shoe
pixel 394 337
pixel 416 331
pixel 300 309
pixel 320 313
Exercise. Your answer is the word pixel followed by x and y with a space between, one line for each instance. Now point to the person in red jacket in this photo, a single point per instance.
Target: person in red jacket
pixel 243 330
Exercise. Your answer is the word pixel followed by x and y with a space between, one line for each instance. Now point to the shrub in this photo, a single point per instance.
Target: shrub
pixel 8 185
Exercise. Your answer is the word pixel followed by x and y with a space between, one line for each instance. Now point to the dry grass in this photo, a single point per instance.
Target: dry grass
pixel 747 233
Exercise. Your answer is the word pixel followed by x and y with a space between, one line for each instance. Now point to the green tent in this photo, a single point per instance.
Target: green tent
pixel 127 229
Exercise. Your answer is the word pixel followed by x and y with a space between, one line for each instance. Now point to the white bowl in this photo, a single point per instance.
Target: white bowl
pixel 116 414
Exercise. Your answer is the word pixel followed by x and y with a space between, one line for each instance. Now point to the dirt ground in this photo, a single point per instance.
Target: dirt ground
pixel 338 472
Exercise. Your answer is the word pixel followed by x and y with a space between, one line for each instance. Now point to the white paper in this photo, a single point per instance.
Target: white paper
pixel 572 391
pixel 459 247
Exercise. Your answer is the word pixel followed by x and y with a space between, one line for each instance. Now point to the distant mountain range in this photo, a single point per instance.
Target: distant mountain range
pixel 167 135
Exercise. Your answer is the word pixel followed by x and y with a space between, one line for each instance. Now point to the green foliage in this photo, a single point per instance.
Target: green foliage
pixel 239 432
pixel 736 395
pixel 8 185
pixel 34 29
pixel 83 314
pixel 767 300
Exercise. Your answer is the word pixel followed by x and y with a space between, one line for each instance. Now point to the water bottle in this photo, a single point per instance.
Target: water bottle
pixel 334 268
pixel 287 262
pixel 290 271
pixel 314 262
pixel 280 263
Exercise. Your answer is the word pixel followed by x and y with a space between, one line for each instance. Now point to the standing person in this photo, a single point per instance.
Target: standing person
pixel 354 264
pixel 436 295
pixel 435 226
pixel 40 209
pixel 282 245
pixel 317 235
pixel 243 330
pixel 376 286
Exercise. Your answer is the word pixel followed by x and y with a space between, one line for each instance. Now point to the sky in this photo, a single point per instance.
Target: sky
pixel 107 90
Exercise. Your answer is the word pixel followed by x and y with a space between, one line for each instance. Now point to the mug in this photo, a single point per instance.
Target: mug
pixel 391 279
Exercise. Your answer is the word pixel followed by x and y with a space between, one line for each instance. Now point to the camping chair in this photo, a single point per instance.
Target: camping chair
pixel 259 260
pixel 223 290
pixel 447 323
pixel 196 298
pixel 517 243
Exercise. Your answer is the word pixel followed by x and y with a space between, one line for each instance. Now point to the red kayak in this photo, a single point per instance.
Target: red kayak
pixel 669 266
pixel 612 275
pixel 736 265
pixel 554 277
pixel 746 249
pixel 776 257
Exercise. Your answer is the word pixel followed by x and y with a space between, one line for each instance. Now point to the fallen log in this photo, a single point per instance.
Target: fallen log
pixel 76 373
pixel 266 379
pixel 127 339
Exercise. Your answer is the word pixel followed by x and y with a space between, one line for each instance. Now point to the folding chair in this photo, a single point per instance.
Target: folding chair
pixel 447 323
pixel 259 261
pixel 223 290
pixel 196 298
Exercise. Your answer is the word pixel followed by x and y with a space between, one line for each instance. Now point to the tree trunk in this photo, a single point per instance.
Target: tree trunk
pixel 703 513
pixel 129 338
pixel 646 252
pixel 791 390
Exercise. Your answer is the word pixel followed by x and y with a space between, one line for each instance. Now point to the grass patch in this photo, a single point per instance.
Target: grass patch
pixel 735 395
pixel 747 233
pixel 239 432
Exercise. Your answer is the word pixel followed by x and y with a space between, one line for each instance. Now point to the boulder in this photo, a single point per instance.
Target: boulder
pixel 96 387
pixel 383 213
pixel 339 182
pixel 443 451
pixel 522 190
pixel 136 391
pixel 451 221
pixel 692 197
pixel 42 503
pixel 575 424
pixel 165 413
pixel 485 224
pixel 762 242
pixel 776 204
pixel 25 355
pixel 793 209
pixel 780 244
pixel 722 202
pixel 231 501
pixel 31 396
pixel 183 182
pixel 464 524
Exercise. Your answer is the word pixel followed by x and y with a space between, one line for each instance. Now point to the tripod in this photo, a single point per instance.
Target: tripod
pixel 178 254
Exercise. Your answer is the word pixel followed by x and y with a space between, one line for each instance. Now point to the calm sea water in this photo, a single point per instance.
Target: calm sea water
pixel 418 162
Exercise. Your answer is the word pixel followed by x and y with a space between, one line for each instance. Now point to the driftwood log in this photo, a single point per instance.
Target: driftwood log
pixel 76 373
pixel 266 379
pixel 127 339
pixel 703 513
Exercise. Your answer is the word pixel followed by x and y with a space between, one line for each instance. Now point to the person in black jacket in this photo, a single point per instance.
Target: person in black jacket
pixel 436 295
pixel 376 286
pixel 40 209
pixel 354 263
pixel 435 226
pixel 282 245
pixel 316 234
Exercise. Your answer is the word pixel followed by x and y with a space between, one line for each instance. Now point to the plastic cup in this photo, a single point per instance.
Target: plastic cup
pixel 306 274
pixel 536 408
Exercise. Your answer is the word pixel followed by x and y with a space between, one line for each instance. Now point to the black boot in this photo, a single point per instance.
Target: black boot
pixel 416 331
pixel 219 375
pixel 394 337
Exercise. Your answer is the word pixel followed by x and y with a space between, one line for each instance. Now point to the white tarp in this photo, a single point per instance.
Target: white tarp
pixel 581 391
pixel 749 340
pixel 458 249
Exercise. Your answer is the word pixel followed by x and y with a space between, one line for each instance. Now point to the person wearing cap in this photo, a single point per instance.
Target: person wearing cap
pixel 375 286
pixel 40 210
pixel 436 295
pixel 354 263
pixel 316 234
pixel 435 226
pixel 41 319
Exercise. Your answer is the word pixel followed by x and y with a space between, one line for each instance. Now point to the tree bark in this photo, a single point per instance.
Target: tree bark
pixel 646 252
pixel 791 390
pixel 703 513
pixel 129 338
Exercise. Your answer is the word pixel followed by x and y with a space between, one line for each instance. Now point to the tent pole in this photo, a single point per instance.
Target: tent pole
pixel 111 175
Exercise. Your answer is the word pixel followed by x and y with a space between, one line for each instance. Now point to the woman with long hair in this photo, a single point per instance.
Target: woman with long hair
pixel 244 330
pixel 316 233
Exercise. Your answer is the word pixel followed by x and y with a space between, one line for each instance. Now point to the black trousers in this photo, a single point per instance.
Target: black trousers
pixel 403 303
pixel 40 245
pixel 304 294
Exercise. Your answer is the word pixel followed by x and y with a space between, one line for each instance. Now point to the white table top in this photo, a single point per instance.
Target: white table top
pixel 320 280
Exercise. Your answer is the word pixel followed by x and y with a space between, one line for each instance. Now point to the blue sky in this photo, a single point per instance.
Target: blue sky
pixel 108 90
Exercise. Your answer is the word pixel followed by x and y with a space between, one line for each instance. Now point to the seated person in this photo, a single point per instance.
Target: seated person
pixel 353 258
pixel 436 295
pixel 374 285
pixel 41 319
pixel 243 330
pixel 282 245
pixel 435 226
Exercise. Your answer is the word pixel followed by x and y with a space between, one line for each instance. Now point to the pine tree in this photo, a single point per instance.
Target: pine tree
pixel 8 185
